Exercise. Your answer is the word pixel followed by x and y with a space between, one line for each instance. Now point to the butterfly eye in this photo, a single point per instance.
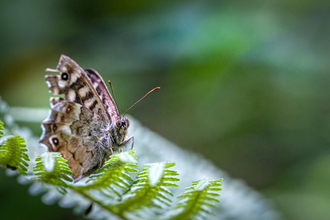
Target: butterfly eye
pixel 127 123
pixel 55 141
pixel 64 76
pixel 54 127
pixel 118 124
pixel 123 122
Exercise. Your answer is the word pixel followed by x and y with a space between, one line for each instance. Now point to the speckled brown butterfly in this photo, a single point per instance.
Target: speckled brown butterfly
pixel 85 126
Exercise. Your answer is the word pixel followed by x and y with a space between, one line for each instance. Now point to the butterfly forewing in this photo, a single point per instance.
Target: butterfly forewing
pixel 74 83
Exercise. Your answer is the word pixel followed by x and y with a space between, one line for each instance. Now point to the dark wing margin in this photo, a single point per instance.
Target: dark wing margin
pixel 103 93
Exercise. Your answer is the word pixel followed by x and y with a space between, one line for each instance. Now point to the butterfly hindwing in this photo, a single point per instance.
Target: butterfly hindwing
pixel 75 132
pixel 103 93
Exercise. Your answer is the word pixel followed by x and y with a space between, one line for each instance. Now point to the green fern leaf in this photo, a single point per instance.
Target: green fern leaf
pixel 197 199
pixel 1 129
pixel 13 153
pixel 112 178
pixel 149 190
pixel 51 168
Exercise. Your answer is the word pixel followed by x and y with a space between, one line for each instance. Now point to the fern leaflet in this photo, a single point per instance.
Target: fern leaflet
pixel 146 198
pixel 51 168
pixel 197 199
pixel 149 190
pixel 1 129
pixel 13 153
pixel 112 178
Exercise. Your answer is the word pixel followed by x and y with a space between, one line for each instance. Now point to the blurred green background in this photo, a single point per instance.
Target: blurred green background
pixel 244 83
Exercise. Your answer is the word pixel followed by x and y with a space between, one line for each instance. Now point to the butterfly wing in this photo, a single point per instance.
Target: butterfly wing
pixel 119 134
pixel 103 93
pixel 78 134
pixel 78 122
pixel 77 87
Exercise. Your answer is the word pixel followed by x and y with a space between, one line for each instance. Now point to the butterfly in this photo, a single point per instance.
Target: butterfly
pixel 85 125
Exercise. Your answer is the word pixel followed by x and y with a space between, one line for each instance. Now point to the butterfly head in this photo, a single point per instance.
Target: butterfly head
pixel 122 124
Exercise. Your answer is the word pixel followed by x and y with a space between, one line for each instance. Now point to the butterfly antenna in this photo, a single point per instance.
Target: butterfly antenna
pixel 141 99
pixel 113 94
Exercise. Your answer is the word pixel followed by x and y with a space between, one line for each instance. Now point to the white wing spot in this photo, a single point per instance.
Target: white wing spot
pixel 88 103
pixel 48 84
pixel 53 101
pixel 63 69
pixel 71 95
pixel 74 77
pixel 95 85
pixel 83 91
pixel 62 83
pixel 66 129
pixel 56 91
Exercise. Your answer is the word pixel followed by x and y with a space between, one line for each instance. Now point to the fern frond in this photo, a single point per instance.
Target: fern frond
pixel 197 199
pixel 13 153
pixel 112 179
pixel 149 190
pixel 51 168
pixel 1 129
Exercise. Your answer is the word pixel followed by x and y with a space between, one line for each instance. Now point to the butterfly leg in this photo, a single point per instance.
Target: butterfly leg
pixel 99 166
pixel 77 179
pixel 131 140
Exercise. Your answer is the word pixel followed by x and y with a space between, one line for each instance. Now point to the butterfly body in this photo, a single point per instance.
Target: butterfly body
pixel 85 125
